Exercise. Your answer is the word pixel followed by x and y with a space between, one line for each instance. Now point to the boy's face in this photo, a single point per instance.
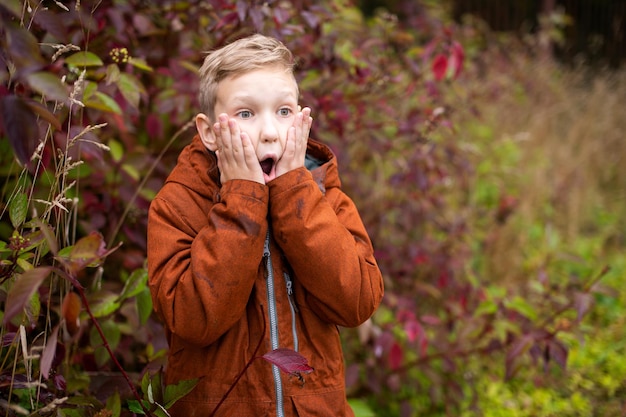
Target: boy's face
pixel 264 104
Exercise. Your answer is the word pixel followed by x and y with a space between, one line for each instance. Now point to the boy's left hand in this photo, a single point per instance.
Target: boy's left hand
pixel 296 143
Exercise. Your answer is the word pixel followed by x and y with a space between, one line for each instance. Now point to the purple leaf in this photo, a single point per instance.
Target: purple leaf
pixel 43 112
pixel 288 361
pixel 23 48
pixel 518 348
pixel 20 126
pixel 23 289
pixel 47 356
pixel 558 353
pixel 582 303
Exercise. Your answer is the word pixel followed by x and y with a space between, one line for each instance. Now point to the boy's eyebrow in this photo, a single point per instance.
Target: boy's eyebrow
pixel 246 98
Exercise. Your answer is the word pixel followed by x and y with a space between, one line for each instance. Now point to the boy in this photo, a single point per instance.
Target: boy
pixel 252 238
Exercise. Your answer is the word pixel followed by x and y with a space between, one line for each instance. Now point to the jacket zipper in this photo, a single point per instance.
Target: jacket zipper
pixel 273 319
pixel 294 310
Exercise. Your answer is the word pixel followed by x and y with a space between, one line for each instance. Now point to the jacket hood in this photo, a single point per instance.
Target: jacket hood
pixel 197 167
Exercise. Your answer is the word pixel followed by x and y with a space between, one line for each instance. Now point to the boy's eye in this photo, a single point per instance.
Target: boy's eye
pixel 245 114
pixel 284 111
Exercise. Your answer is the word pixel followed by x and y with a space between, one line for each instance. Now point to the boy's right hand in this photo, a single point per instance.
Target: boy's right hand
pixel 236 157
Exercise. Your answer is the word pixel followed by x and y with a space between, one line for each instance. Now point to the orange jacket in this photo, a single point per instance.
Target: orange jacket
pixel 211 286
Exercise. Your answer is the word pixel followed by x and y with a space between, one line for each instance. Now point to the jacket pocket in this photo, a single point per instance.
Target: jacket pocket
pixel 327 404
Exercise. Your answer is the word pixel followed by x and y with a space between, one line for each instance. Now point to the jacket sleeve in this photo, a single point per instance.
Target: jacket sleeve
pixel 203 258
pixel 326 244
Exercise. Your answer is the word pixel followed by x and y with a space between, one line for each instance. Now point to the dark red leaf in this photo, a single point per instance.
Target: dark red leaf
pixel 558 353
pixel 396 355
pixel 43 112
pixel 517 349
pixel 51 22
pixel 24 49
pixel 23 289
pixel 457 56
pixel 257 18
pixel 311 19
pixel 88 251
pixel 226 20
pixel 582 304
pixel 70 310
pixel 59 382
pixel 414 330
pixel 8 339
pixel 242 9
pixel 20 126
pixel 288 361
pixel 439 67
pixel 47 356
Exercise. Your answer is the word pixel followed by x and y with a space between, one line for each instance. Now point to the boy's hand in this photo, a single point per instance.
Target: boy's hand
pixel 295 146
pixel 236 157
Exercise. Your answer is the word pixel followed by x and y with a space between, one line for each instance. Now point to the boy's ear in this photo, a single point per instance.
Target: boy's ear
pixel 205 130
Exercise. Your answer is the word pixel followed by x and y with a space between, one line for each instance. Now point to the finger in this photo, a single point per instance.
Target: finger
pixel 298 130
pixel 224 132
pixel 218 136
pixel 307 121
pixel 235 137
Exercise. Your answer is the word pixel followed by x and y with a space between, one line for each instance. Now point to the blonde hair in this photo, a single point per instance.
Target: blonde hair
pixel 241 56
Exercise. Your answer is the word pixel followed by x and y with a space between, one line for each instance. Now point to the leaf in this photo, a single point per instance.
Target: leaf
pixel 156 386
pixel 100 101
pixel 135 284
pixel 522 307
pixel 48 85
pixel 557 352
pixel 485 308
pixel 439 67
pixel 18 208
pixel 175 392
pixel 517 349
pixel 135 406
pixel 144 305
pixel 20 126
pixel 22 291
pixel 105 306
pixel 140 63
pixel 112 74
pixel 43 112
pixel 70 311
pixel 88 251
pixel 24 264
pixel 396 356
pixel 455 63
pixel 13 6
pixel 582 304
pixel 48 234
pixel 23 48
pixel 112 334
pixel 47 356
pixel 131 88
pixel 114 405
pixel 84 59
pixel 360 408
pixel 288 361
pixel 145 383
pixel 116 150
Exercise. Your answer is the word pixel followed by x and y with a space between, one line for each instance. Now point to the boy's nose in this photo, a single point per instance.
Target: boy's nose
pixel 269 130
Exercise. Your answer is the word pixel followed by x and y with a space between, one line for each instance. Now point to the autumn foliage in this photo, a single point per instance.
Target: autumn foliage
pixel 96 101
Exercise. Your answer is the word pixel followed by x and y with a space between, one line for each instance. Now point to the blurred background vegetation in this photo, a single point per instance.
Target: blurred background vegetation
pixel 481 140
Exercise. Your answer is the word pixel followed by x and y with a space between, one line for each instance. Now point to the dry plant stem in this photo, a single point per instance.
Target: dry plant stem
pixel 106 345
pixel 118 226
pixel 245 368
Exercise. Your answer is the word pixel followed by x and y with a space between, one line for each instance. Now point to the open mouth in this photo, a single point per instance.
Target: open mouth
pixel 267 165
